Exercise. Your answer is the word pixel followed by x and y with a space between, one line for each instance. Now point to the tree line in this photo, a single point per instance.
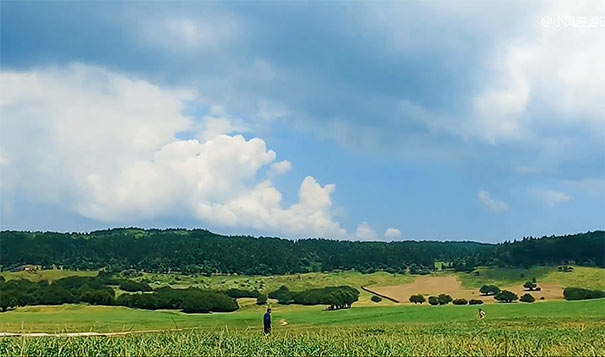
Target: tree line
pixel 100 290
pixel 202 252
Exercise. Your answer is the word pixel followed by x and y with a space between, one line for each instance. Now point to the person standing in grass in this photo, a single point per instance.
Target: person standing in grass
pixel 267 321
pixel 481 314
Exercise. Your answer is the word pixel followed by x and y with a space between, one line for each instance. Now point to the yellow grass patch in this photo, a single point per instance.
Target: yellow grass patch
pixel 435 285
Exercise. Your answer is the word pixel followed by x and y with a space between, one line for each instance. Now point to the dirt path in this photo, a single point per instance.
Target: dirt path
pixel 435 285
pixel 82 334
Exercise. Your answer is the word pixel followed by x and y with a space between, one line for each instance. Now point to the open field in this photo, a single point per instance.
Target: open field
pixel 49 274
pixel 550 328
pixel 451 285
pixel 78 318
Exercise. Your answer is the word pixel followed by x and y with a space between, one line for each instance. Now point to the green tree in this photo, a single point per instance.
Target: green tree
pixel 527 298
pixel 530 285
pixel 489 290
pixel 261 299
pixel 417 299
pixel 444 299
pixel 506 296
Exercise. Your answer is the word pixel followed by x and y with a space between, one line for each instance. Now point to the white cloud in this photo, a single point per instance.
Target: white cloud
pixel 104 145
pixel 279 168
pixel 550 197
pixel 494 205
pixel 552 69
pixel 392 233
pixel 365 232
pixel 218 122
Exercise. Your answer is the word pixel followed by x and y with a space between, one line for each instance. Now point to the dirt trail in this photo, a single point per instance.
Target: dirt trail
pixel 81 334
pixel 435 285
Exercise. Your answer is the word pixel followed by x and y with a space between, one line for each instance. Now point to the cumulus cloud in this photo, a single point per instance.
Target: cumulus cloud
pixel 494 205
pixel 550 197
pixel 279 168
pixel 365 232
pixel 105 146
pixel 531 75
pixel 392 233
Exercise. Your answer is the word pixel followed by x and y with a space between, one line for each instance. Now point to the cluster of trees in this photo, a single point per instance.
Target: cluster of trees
pixel 582 294
pixel 442 299
pixel 21 292
pixel 337 297
pixel 202 252
pixel 190 300
pixel 96 291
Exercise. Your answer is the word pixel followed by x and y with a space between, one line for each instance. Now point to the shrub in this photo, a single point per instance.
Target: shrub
pixel 582 294
pixel 527 298
pixel 475 302
pixel 132 286
pixel 7 300
pixel 242 293
pixel 261 299
pixel 433 300
pixel 489 290
pixel 444 299
pixel 417 299
pixel 530 285
pixel 460 302
pixel 506 296
pixel 376 298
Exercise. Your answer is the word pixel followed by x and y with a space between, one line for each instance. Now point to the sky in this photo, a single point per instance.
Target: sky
pixel 382 121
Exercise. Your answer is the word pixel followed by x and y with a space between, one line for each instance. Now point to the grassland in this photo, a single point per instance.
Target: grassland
pixel 586 277
pixel 50 274
pixel 543 328
pixel 74 318
pixel 547 329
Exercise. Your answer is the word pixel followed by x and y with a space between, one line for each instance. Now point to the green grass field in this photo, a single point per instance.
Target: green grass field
pixel 75 318
pixel 544 329
pixel 586 277
pixel 549 328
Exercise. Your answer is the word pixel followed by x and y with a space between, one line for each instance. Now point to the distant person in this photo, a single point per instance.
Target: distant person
pixel 267 321
pixel 481 314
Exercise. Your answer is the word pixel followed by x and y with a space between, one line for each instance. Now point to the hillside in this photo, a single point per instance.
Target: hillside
pixel 201 251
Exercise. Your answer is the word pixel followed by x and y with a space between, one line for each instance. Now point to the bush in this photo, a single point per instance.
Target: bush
pixel 261 299
pixel 417 299
pixel 506 296
pixel 132 286
pixel 433 300
pixel 475 302
pixel 489 290
pixel 527 298
pixel 241 293
pixel 444 299
pixel 376 298
pixel 530 285
pixel 283 295
pixel 460 302
pixel 582 294
pixel 7 300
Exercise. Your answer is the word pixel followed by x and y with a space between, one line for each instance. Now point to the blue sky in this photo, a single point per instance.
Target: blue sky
pixel 431 120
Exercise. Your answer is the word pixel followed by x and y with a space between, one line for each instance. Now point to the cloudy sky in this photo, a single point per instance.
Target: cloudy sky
pixel 345 120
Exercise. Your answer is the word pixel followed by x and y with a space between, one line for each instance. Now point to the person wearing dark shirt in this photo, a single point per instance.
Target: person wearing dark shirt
pixel 267 321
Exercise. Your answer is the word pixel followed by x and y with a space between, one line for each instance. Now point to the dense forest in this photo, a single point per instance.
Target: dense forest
pixel 203 252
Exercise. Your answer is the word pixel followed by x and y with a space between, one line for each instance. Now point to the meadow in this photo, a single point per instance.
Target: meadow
pixel 554 327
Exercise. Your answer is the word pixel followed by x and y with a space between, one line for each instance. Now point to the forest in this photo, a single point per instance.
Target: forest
pixel 202 252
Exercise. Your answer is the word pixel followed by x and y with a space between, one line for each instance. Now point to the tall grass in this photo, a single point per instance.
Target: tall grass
pixel 542 338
